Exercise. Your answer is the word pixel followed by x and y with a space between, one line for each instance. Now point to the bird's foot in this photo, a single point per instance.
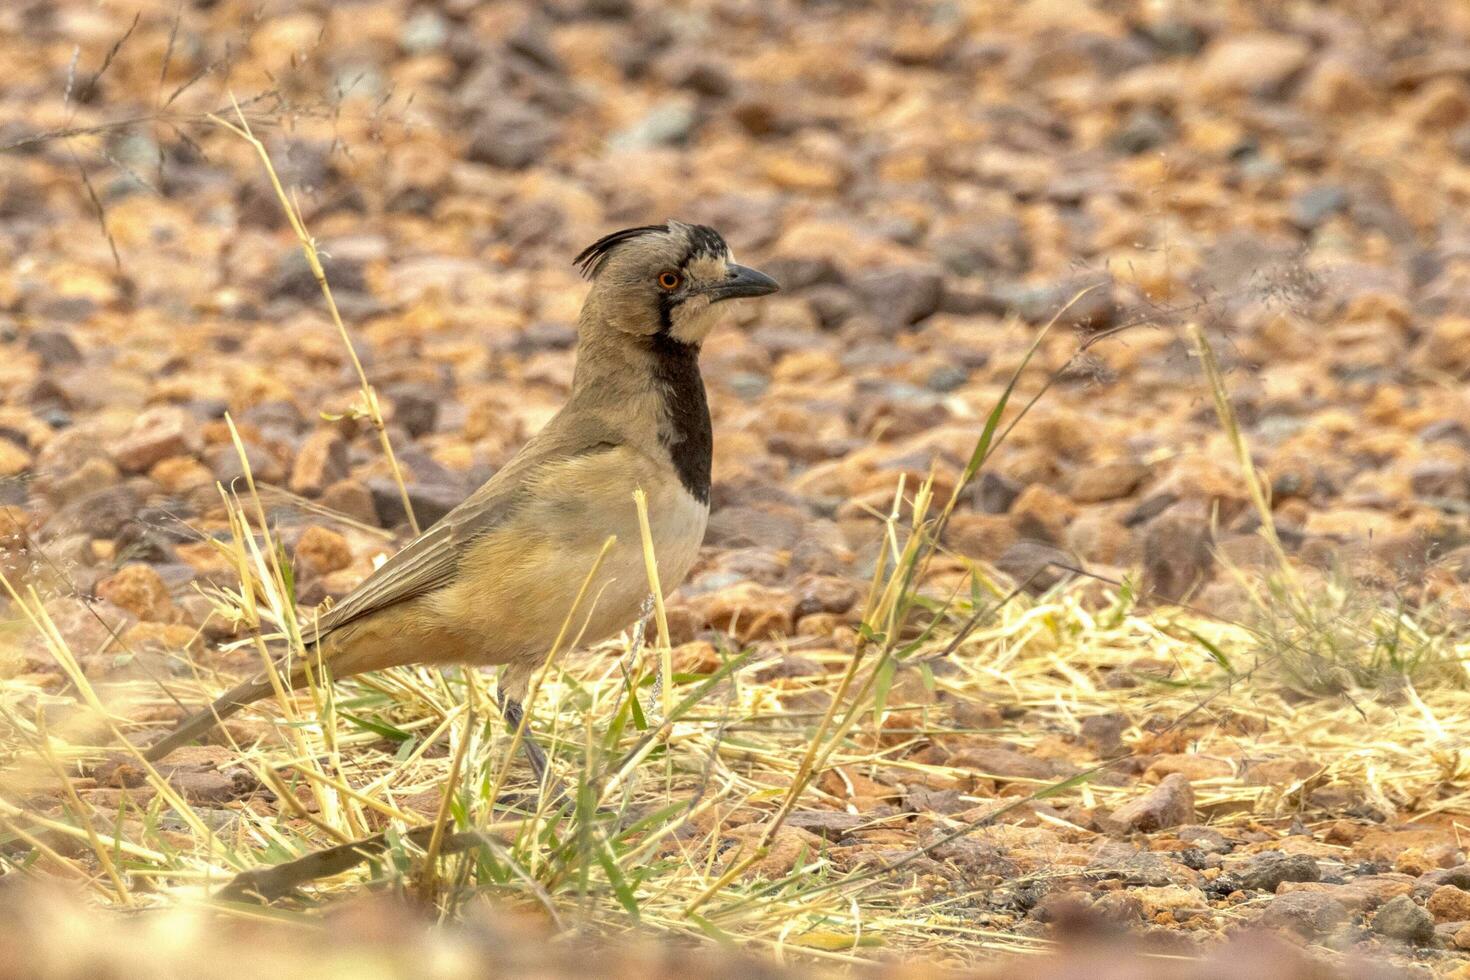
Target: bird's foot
pixel 549 788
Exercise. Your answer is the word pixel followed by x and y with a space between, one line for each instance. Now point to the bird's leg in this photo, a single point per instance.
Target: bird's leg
pixel 640 628
pixel 511 711
pixel 635 647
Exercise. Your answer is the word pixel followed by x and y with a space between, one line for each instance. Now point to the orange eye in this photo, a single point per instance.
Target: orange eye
pixel 669 280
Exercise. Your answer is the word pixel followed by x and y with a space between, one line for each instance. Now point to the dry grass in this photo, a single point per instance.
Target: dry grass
pixel 664 765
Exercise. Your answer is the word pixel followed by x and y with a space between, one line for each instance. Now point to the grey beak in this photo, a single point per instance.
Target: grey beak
pixel 741 282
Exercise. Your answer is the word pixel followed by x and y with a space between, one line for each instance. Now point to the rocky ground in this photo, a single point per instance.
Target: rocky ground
pixel 931 184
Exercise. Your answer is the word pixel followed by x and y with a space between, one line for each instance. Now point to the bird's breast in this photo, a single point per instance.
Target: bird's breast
pixel 517 585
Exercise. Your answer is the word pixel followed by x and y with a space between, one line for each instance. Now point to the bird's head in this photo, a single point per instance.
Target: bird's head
pixel 666 280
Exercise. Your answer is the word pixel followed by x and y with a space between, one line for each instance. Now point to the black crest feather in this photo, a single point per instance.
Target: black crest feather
pixel 703 240
pixel 591 258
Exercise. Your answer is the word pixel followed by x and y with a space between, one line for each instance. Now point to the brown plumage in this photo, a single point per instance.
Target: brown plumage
pixel 492 583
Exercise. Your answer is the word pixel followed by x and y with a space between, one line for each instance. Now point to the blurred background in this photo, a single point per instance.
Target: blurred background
pixel 933 183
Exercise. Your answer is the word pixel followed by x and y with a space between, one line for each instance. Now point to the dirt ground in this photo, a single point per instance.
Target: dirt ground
pixel 1257 747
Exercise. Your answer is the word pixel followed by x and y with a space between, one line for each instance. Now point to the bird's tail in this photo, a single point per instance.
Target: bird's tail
pixel 223 707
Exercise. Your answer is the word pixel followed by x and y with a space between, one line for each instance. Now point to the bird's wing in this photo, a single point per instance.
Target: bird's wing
pixel 429 561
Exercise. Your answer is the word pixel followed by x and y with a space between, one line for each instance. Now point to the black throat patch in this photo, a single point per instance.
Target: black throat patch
pixel 689 437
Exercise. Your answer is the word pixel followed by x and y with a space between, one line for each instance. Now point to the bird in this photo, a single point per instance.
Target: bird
pixel 493 581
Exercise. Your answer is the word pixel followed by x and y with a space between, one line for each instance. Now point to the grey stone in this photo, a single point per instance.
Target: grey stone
pixel 1307 913
pixel 990 244
pixel 425 31
pixel 1145 129
pixel 667 124
pixel 995 492
pixel 1176 554
pixel 430 501
pixel 1312 207
pixel 510 135
pixel 1034 565
pixel 55 348
pixel 1400 918
pixel 1265 872
pixel 900 298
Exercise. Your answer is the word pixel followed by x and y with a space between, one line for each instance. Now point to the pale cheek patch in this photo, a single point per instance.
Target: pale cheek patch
pixel 692 320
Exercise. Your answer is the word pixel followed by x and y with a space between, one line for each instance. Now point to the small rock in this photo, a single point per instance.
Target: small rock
pixel 101 514
pixel 699 73
pixel 1105 733
pixel 947 378
pixel 995 493
pixel 830 824
pixel 1085 302
pixel 88 477
pixel 997 244
pixel 55 347
pixel 1314 206
pixel 430 501
pixel 154 436
pixel 748 611
pixel 746 527
pixel 425 31
pixel 666 124
pixel 983 536
pixel 975 715
pixel 1206 839
pixel 178 474
pixel 1401 919
pixel 1265 872
pixel 1306 913
pixel 293 276
pixel 1003 762
pixel 900 298
pixel 141 591
pixel 543 335
pixel 1254 64
pixel 1438 478
pixel 1036 566
pixel 13 459
pixel 1040 512
pixel 1121 860
pixel 1458 876
pixel 510 135
pixel 1414 861
pixel 323 551
pixel 161 638
pixel 415 408
pixel 1462 937
pixel 353 499
pixel 15 529
pixel 1107 481
pixel 921 799
pixel 1145 129
pixel 805 173
pixel 1120 908
pixel 1176 555
pixel 224 463
pixel 825 594
pixel 1449 904
pixel 1359 895
pixel 1169 804
pixel 204 786
pixel 1180 900
pixel 321 461
pixel 1097 538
